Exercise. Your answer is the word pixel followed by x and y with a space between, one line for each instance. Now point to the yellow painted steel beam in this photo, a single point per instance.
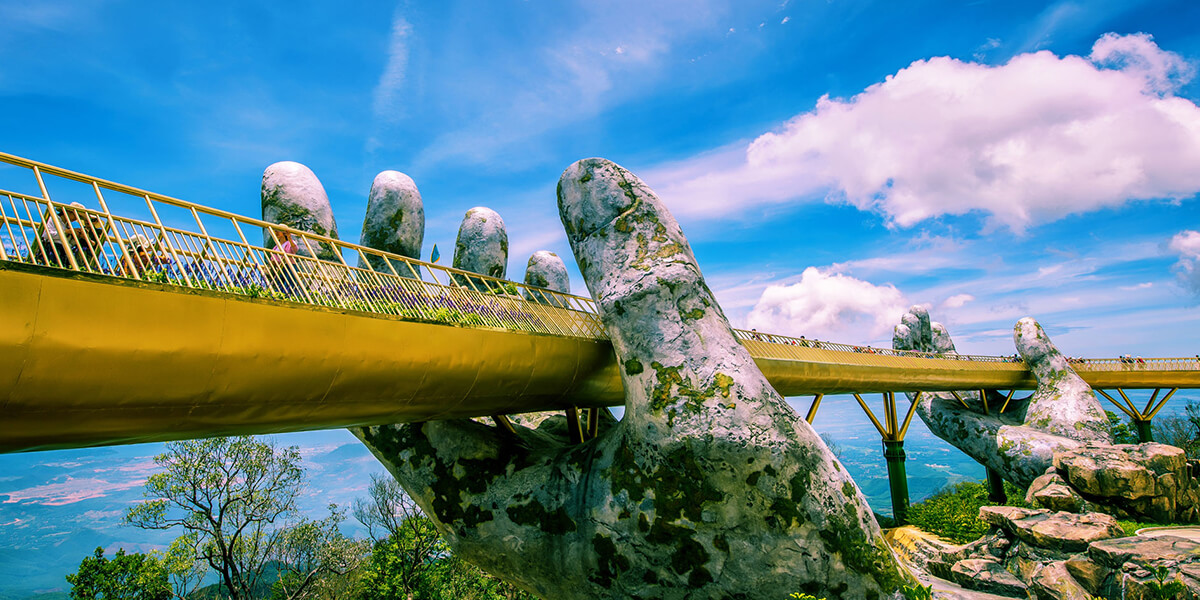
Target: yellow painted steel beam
pixel 812 409
pixel 91 360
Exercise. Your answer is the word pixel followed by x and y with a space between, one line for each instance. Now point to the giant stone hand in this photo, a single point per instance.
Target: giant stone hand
pixel 1062 414
pixel 711 486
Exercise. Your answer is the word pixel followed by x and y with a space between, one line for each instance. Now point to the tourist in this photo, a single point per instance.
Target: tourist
pixel 142 253
pixel 53 245
pixel 282 266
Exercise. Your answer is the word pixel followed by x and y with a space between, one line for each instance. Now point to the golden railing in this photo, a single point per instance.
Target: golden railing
pixel 181 243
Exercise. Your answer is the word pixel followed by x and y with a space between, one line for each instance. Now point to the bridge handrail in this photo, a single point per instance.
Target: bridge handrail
pixel 382 282
pixel 190 256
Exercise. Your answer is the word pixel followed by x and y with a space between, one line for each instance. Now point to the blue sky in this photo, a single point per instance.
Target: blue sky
pixel 831 162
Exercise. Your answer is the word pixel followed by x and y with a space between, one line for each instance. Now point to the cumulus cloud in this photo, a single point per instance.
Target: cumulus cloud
pixel 830 306
pixel 1187 245
pixel 1029 141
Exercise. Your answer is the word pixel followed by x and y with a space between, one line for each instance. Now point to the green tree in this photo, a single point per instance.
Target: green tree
pixel 410 560
pixel 1181 431
pixel 316 560
pixel 1121 432
pixel 124 577
pixel 234 497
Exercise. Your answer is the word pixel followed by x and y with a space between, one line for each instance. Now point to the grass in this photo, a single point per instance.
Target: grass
pixel 953 513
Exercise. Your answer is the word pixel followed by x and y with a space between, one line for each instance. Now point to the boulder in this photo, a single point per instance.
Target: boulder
pixel 710 486
pixel 1145 481
pixel 1060 531
pixel 395 222
pixel 1088 574
pixel 1059 497
pixel 293 196
pixel 1143 551
pixel 482 245
pixel 987 575
pixel 1054 582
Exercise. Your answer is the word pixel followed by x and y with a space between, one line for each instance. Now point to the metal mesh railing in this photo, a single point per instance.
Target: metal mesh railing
pixel 205 248
pixel 312 269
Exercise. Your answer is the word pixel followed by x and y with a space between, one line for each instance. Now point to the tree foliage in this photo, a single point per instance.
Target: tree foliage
pixel 233 498
pixel 410 559
pixel 1181 431
pixel 124 577
pixel 1121 432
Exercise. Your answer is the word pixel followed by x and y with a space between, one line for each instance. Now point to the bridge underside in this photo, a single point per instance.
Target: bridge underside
pixel 89 360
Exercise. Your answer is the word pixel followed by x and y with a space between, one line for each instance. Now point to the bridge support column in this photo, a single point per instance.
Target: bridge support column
pixel 1141 418
pixel 893 453
pixel 1144 430
pixel 996 487
pixel 893 431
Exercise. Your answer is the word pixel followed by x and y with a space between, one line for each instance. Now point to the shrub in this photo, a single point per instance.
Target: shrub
pixel 953 513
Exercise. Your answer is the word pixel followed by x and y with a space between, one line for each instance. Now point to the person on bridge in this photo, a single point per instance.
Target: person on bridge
pixel 54 245
pixel 283 268
pixel 144 256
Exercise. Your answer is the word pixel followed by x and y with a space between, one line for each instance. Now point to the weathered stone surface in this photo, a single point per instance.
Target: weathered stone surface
pixel 1106 471
pixel 1145 481
pixel 395 221
pixel 1059 497
pixel 1018 444
pixel 917 547
pixel 987 575
pixel 1063 403
pixel 1054 582
pixel 711 486
pixel 546 270
pixel 482 245
pixel 1003 516
pixel 1060 531
pixel 1087 573
pixel 1142 550
pixel 292 195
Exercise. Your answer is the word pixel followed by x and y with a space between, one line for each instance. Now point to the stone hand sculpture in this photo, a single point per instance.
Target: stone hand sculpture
pixel 1062 414
pixel 711 486
pixel 395 222
pixel 293 196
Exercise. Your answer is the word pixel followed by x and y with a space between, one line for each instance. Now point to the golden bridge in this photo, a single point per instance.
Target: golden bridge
pixel 129 316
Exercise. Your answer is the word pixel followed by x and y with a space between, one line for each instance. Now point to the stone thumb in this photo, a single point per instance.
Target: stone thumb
pixel 679 359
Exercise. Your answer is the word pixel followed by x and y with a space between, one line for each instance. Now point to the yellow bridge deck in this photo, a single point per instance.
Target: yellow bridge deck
pixel 219 336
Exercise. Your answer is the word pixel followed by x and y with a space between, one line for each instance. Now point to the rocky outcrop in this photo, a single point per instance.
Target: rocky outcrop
pixel 546 270
pixel 1060 531
pixel 711 486
pixel 482 245
pixel 293 196
pixel 1020 444
pixel 1146 482
pixel 395 221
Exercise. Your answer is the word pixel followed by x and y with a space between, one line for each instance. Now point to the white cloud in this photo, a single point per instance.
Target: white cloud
pixel 1187 245
pixel 957 300
pixel 1163 72
pixel 829 306
pixel 387 106
pixel 1032 140
pixel 1141 286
